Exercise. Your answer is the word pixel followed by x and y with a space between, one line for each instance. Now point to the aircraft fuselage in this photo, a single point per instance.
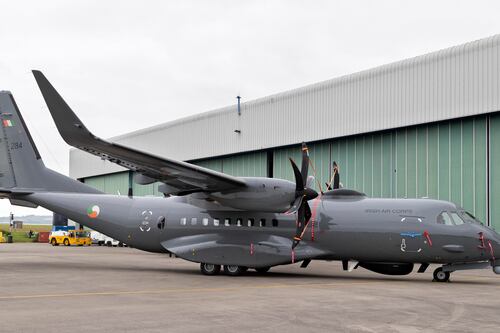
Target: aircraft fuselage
pixel 359 228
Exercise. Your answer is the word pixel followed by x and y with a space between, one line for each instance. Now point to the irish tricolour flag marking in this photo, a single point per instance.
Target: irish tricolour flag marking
pixel 8 123
pixel 93 211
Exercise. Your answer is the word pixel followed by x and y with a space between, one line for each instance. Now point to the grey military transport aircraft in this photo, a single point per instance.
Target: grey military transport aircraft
pixel 239 222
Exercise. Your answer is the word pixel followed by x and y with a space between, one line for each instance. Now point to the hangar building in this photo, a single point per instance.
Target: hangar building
pixel 428 126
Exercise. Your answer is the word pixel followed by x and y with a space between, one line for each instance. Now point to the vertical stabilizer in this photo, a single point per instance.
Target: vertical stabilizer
pixel 21 167
pixel 20 161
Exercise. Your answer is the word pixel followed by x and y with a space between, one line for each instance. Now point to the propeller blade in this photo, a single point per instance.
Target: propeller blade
pixel 295 206
pixel 307 213
pixel 303 193
pixel 298 177
pixel 303 218
pixel 300 225
pixel 305 163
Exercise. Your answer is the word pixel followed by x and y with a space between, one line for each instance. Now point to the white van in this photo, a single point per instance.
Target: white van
pixel 97 238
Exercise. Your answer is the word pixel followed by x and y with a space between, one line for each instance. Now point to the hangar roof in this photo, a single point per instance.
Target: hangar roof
pixel 455 82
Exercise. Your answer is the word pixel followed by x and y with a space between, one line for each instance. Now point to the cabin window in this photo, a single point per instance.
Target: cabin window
pixel 204 221
pixel 227 222
pixel 216 222
pixel 161 222
pixel 183 221
pixel 445 219
pixel 262 223
pixel 239 222
pixel 251 222
pixel 275 223
pixel 194 221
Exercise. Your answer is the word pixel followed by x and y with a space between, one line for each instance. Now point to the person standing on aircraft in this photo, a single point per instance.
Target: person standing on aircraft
pixel 335 180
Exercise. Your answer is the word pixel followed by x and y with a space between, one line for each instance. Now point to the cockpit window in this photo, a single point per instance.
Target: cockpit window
pixel 469 218
pixel 444 218
pixel 456 219
pixel 450 218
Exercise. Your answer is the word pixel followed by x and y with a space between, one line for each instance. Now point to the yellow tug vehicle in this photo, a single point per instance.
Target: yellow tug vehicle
pixel 70 237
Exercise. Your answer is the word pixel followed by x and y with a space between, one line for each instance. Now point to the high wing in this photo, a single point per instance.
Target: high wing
pixel 180 178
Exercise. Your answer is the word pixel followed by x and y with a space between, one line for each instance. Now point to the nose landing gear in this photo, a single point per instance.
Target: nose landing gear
pixel 441 276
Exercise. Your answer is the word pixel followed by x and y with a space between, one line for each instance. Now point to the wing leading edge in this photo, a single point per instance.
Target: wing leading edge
pixel 179 177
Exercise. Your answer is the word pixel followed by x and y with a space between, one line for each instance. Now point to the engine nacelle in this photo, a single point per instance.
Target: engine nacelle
pixel 260 194
pixel 387 268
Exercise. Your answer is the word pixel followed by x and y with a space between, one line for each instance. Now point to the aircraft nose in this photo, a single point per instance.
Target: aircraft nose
pixel 495 244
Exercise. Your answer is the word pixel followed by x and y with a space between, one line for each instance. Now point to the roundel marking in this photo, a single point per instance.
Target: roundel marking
pixel 93 211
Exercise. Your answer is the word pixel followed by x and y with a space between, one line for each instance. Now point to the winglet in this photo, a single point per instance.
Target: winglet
pixel 71 128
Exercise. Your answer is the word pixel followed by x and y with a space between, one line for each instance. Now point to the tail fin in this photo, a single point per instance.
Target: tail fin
pixel 21 167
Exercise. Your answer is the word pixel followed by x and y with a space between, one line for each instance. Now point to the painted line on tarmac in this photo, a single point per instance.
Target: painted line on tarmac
pixel 184 290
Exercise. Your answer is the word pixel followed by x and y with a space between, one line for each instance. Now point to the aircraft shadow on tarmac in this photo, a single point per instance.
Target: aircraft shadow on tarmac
pixel 292 276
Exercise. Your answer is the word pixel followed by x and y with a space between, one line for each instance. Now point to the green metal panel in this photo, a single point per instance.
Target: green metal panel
pixel 444 161
pixel 368 164
pixel 146 190
pixel 143 190
pixel 480 169
pixel 358 163
pixel 422 161
pixel 456 162
pixel 495 171
pixel 339 154
pixel 377 170
pixel 319 154
pixel 112 183
pixel 468 164
pixel 351 164
pixel 281 164
pixel 387 165
pixel 401 177
pixel 246 165
pixel 433 161
pixel 96 182
pixel 411 162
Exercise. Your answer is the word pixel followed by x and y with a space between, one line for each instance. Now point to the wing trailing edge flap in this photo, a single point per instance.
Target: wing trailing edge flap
pixel 233 249
pixel 180 177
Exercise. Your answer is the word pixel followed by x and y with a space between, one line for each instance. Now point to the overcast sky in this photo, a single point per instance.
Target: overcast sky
pixel 126 65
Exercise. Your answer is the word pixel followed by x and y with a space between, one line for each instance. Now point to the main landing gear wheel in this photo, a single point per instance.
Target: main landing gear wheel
pixel 234 270
pixel 209 269
pixel 441 276
pixel 262 270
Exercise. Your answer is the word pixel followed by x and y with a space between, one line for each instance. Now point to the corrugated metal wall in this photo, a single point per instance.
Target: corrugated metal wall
pixel 494 168
pixel 446 160
pixel 453 83
pixel 112 184
pixel 246 165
